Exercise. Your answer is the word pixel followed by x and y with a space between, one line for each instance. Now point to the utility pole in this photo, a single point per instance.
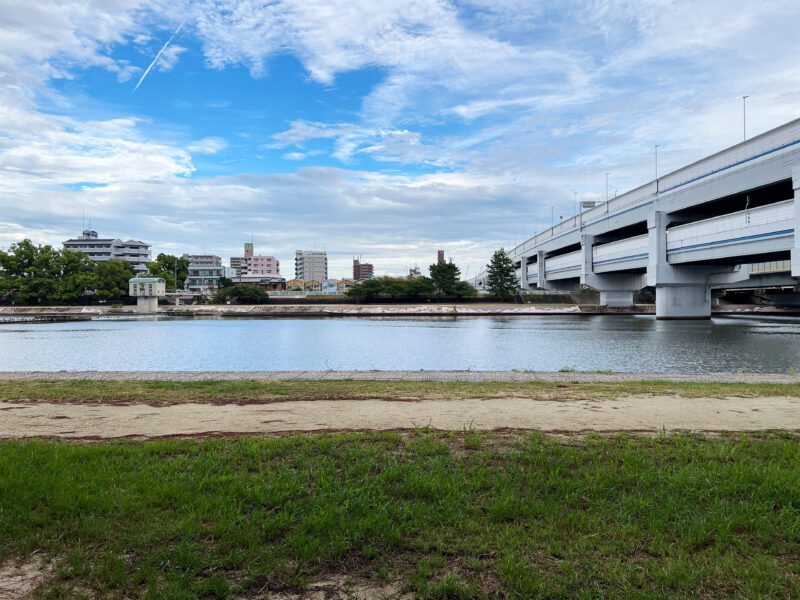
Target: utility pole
pixel 744 118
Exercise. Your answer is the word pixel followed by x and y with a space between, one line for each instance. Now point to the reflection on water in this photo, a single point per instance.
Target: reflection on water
pixel 547 343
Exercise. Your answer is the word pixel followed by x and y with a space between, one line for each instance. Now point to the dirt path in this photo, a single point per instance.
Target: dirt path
pixel 631 413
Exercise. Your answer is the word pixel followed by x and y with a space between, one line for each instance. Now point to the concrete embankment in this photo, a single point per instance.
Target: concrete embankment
pixel 67 313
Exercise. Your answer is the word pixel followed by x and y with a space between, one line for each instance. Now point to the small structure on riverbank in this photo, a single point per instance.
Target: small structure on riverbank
pixel 147 291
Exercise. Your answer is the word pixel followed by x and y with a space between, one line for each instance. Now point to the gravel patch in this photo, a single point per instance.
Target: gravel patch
pixel 467 376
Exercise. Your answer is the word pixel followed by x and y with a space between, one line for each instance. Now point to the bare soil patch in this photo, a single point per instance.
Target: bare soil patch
pixel 18 579
pixel 635 413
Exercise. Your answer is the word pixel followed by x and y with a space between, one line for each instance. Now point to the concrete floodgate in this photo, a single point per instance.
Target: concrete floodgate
pixel 642 413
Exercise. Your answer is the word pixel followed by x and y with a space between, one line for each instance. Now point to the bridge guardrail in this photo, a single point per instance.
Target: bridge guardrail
pixel 564 262
pixel 752 222
pixel 627 248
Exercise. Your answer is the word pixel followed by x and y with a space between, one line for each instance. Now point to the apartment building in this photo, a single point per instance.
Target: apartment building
pixel 311 264
pixel 362 271
pixel 255 264
pixel 205 271
pixel 100 249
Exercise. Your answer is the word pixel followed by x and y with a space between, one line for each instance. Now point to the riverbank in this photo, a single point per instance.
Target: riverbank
pixel 10 314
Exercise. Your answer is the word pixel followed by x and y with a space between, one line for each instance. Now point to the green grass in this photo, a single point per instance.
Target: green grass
pixel 170 392
pixel 445 515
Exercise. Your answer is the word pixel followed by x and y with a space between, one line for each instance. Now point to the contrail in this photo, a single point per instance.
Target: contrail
pixel 155 60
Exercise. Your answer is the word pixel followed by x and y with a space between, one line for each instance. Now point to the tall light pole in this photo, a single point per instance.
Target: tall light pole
pixel 656 169
pixel 744 117
pixel 606 186
pixel 656 161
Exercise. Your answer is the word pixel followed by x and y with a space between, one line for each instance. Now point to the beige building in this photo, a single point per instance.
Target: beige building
pixel 311 264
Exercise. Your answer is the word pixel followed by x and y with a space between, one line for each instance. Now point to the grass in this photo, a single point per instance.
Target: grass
pixel 445 515
pixel 172 392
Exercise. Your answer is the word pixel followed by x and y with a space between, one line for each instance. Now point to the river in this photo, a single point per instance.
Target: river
pixel 623 343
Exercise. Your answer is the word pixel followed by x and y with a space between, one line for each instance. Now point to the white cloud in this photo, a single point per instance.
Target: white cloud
pixel 293 156
pixel 209 145
pixel 169 57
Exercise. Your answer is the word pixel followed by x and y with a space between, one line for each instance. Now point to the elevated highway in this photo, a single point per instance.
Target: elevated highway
pixel 706 226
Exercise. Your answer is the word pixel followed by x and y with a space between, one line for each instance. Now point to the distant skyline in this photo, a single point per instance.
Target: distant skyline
pixel 388 130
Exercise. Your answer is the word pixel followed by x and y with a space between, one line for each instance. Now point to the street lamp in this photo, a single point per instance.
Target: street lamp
pixel 656 169
pixel 744 117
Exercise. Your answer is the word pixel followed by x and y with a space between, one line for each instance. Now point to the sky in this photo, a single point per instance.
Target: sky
pixel 386 130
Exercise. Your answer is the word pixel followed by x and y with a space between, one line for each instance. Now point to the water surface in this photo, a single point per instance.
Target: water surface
pixel 546 343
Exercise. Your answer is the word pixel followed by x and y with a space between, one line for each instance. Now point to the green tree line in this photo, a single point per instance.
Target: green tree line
pixel 42 275
pixel 443 283
pixel 32 274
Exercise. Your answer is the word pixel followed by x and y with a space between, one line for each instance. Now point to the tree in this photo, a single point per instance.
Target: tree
pixel 465 290
pixel 76 278
pixel 225 282
pixel 445 277
pixel 165 266
pixel 43 275
pixel 501 279
pixel 367 290
pixel 112 279
pixel 421 288
pixel 241 294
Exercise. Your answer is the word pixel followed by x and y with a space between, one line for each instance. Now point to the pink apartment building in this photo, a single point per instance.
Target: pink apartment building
pixel 252 264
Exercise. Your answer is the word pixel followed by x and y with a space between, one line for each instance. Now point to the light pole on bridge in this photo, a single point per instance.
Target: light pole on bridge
pixel 744 118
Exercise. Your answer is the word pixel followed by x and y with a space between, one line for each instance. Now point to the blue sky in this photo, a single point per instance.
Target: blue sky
pixel 387 130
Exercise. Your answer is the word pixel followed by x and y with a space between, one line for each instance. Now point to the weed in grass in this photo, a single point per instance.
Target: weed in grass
pixel 473 441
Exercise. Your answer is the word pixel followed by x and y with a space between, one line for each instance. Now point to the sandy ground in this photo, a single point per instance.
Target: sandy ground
pixel 631 413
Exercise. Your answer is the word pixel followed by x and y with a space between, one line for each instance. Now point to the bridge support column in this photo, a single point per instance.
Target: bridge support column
pixel 541 282
pixel 796 249
pixel 616 298
pixel 683 302
pixel 615 290
pixel 524 283
pixel 683 291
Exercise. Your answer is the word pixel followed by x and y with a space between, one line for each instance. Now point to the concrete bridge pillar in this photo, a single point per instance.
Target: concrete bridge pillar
pixel 683 301
pixel 615 290
pixel 542 281
pixel 683 291
pixel 524 283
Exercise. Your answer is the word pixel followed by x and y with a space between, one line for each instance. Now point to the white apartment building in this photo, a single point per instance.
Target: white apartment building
pixel 102 249
pixel 205 271
pixel 311 264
